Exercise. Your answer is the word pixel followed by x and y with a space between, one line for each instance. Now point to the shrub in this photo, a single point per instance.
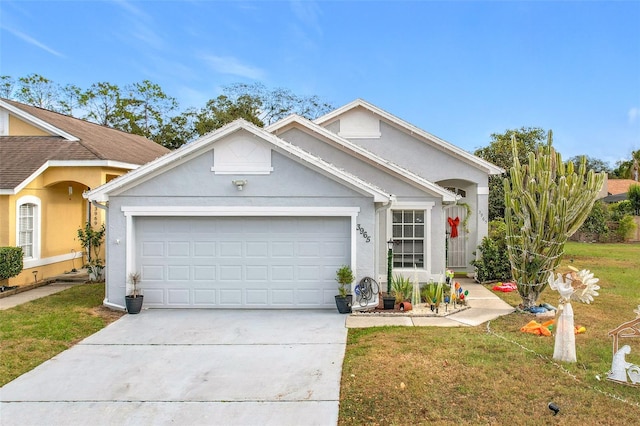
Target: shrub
pixel 634 198
pixel 402 288
pixel 619 209
pixel 627 227
pixel 493 262
pixel 596 222
pixel 10 262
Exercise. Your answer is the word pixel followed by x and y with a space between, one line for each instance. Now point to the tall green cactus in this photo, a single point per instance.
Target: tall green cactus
pixel 546 201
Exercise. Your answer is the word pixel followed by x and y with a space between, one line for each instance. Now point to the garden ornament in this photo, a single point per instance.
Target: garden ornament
pixel 576 285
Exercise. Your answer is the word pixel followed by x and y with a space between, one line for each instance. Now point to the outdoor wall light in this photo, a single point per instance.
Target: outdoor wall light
pixel 239 184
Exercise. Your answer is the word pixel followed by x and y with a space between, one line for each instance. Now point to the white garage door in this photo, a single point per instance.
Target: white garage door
pixel 241 262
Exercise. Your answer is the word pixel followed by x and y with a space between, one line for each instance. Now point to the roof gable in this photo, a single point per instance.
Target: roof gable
pixel 358 151
pixel 72 142
pixel 233 151
pixel 357 106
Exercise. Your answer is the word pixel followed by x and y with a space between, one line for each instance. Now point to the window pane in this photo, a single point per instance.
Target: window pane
pixel 408 232
pixel 25 224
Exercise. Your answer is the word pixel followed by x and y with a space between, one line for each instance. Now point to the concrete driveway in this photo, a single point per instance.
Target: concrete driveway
pixel 190 367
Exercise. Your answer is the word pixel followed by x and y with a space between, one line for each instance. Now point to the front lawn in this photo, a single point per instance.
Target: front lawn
pixel 36 331
pixel 495 374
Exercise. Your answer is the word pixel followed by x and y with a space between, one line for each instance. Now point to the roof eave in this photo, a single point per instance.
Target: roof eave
pixel 38 122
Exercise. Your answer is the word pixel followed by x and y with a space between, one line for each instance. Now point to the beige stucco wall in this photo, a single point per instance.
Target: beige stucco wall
pixel 18 127
pixel 61 215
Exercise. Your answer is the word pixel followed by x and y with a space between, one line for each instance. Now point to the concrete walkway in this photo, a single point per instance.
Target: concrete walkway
pixel 33 294
pixel 483 305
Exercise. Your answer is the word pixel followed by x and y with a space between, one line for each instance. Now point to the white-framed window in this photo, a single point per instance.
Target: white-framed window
pixel 408 234
pixel 28 226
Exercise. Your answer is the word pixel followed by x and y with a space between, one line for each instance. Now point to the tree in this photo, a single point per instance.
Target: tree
pixel 626 169
pixel 633 194
pixel 276 104
pixel 6 86
pixel 70 96
pixel 223 110
pixel 179 130
pixel 103 102
pixel 499 152
pixel 595 164
pixel 546 202
pixel 145 109
pixel 37 90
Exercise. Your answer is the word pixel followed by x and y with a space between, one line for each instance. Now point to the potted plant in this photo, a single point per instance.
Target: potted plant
pixel 134 300
pixel 344 276
pixel 401 288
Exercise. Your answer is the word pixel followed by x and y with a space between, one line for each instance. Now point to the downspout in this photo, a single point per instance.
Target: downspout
pixel 106 302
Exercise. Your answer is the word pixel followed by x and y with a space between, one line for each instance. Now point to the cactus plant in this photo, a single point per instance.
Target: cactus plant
pixel 546 201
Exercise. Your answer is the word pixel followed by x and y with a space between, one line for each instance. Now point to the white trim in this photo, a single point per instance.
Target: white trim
pixel 67 163
pixel 221 171
pixel 427 207
pixel 35 121
pixel 108 304
pixel 37 225
pixel 34 263
pixel 115 186
pixel 398 171
pixel 411 129
pixel 224 211
pixel 237 211
pixel 4 122
pixel 483 190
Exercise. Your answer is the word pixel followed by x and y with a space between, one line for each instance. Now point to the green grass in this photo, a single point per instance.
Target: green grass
pixel 36 331
pixel 473 376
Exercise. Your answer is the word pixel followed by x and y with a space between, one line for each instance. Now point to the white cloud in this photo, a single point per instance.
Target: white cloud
pixel 634 115
pixel 33 41
pixel 231 65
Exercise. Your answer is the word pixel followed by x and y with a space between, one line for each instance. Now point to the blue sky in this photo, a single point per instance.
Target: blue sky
pixel 458 69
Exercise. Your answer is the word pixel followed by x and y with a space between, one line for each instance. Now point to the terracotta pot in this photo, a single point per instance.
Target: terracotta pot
pixel 405 306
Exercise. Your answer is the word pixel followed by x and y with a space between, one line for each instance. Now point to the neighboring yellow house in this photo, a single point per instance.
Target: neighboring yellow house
pixel 47 160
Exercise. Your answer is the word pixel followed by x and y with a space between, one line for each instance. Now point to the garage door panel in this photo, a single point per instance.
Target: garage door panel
pixel 282 273
pixel 241 262
pixel 231 249
pixel 178 296
pixel 204 249
pixel 152 273
pixel 152 249
pixel 204 297
pixel 204 273
pixel 231 296
pixel 178 273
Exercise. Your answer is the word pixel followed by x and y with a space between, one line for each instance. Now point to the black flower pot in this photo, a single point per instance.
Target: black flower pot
pixel 343 303
pixel 389 302
pixel 134 304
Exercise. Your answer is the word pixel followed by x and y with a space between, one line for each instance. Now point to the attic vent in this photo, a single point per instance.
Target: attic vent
pixel 241 154
pixel 359 124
